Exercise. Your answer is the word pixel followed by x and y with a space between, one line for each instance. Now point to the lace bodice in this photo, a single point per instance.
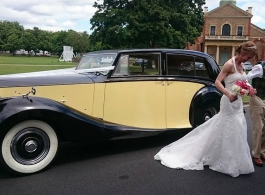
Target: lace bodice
pixel 230 79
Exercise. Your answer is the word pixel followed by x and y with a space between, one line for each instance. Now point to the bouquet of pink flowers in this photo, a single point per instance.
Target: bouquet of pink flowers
pixel 242 88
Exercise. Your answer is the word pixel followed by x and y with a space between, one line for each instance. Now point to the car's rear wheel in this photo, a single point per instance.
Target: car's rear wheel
pixel 209 113
pixel 205 113
pixel 29 147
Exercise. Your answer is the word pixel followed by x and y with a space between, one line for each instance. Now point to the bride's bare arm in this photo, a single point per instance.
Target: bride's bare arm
pixel 226 70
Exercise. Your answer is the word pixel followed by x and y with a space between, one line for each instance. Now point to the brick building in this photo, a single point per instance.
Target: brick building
pixel 225 27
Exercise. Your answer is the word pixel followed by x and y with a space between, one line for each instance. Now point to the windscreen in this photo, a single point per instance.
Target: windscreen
pixel 96 61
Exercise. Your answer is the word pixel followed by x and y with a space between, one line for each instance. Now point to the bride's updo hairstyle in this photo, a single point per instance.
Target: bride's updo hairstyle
pixel 248 47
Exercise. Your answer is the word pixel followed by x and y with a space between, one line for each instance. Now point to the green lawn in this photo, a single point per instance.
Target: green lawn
pixel 245 99
pixel 54 60
pixel 20 64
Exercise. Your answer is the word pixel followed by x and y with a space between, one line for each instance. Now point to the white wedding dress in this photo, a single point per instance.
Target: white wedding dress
pixel 221 142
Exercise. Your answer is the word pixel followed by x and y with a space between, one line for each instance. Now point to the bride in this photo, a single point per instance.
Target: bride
pixel 221 142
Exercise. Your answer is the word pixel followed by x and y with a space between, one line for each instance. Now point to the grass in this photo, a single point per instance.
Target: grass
pixel 245 99
pixel 54 60
pixel 21 64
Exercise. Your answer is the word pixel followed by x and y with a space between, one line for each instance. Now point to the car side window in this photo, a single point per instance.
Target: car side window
pixel 186 65
pixel 138 64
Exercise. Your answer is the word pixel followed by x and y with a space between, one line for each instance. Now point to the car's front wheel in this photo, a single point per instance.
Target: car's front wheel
pixel 29 147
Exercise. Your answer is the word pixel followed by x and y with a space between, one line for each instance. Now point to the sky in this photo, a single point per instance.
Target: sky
pixel 56 15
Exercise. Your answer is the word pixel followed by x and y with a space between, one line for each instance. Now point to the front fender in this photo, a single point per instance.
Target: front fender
pixel 69 123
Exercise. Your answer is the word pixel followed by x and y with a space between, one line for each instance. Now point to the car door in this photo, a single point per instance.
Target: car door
pixel 135 95
pixel 179 95
pixel 181 88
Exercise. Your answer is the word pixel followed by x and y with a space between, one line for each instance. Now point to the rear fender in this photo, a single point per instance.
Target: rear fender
pixel 206 97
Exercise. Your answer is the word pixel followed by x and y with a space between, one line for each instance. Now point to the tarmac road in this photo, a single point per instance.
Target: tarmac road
pixel 127 167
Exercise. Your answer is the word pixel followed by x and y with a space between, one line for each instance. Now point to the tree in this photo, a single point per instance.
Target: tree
pixel 109 24
pixel 13 43
pixel 10 35
pixel 147 23
pixel 13 37
pixel 29 41
pixel 58 40
pixel 79 41
pixel 84 42
pixel 44 40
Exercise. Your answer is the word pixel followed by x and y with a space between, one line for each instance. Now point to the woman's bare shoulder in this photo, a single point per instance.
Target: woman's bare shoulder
pixel 229 63
pixel 228 67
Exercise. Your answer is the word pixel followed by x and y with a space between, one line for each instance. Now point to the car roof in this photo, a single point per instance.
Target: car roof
pixel 163 50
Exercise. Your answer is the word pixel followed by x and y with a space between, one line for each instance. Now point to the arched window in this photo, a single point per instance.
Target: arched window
pixel 226 30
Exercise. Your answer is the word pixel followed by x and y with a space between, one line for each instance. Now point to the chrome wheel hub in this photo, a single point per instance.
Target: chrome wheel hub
pixel 207 118
pixel 210 112
pixel 31 146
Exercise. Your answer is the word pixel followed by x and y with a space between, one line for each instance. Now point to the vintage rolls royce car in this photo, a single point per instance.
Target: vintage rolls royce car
pixel 103 101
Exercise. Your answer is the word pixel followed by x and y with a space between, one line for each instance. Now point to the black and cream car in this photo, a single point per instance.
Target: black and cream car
pixel 103 101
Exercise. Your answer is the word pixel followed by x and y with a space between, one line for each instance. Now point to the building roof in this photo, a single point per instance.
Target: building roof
pixel 258 28
pixel 219 9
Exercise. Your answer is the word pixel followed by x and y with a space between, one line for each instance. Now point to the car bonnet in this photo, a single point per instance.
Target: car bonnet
pixel 52 77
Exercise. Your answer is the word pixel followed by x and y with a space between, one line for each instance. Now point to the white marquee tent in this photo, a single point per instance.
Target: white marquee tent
pixel 68 54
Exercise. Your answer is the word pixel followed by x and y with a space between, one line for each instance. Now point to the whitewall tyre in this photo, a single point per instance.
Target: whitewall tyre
pixel 29 147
